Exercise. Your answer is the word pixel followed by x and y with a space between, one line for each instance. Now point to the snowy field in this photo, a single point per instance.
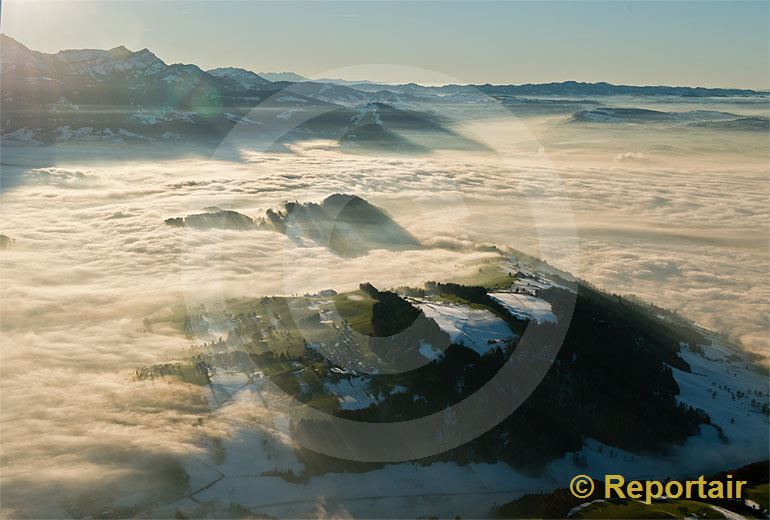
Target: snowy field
pixel 478 329
pixel 235 474
pixel 717 375
pixel 526 306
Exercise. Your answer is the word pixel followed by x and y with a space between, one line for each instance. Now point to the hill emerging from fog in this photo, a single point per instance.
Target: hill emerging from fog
pixel 214 219
pixel 679 390
pixel 346 224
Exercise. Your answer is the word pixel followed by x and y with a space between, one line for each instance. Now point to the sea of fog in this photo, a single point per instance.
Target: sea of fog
pixel 678 220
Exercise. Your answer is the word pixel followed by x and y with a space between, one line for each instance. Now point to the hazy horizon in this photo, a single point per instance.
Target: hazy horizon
pixel 713 45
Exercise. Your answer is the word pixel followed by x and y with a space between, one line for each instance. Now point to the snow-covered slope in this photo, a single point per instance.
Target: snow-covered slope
pixel 733 391
pixel 525 305
pixel 478 329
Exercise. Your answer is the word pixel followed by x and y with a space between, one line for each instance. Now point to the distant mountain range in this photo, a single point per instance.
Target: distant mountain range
pixel 242 77
pixel 118 95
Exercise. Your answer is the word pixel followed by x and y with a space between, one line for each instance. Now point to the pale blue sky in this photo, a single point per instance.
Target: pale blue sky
pixel 688 43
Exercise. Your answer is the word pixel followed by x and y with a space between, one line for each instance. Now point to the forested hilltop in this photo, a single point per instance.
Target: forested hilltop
pixel 617 359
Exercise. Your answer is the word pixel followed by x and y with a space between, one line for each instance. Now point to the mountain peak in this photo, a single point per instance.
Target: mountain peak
pixel 8 40
pixel 145 52
pixel 241 77
pixel 346 224
pixel 14 52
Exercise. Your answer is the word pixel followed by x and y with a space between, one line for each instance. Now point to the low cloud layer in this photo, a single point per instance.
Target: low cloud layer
pixel 93 257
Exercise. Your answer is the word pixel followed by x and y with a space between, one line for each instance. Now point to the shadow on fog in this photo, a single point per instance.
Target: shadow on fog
pixel 17 159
